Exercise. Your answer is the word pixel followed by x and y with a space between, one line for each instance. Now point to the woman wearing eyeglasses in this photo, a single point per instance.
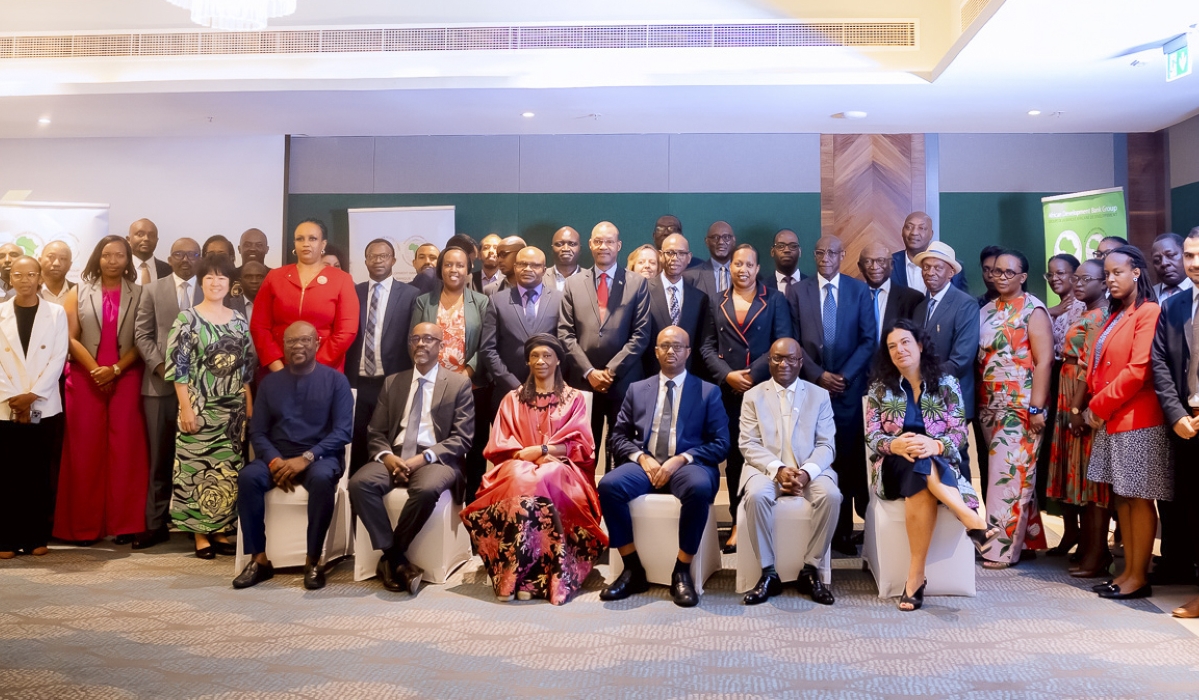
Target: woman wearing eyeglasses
pixel 1015 356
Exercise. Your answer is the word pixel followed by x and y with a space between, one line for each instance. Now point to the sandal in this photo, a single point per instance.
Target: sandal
pixel 997 565
pixel 983 538
pixel 916 600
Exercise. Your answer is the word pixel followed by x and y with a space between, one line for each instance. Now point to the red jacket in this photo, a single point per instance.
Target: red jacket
pixel 329 303
pixel 1121 378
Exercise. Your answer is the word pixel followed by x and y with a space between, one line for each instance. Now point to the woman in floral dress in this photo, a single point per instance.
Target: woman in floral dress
pixel 210 358
pixel 1015 354
pixel 536 521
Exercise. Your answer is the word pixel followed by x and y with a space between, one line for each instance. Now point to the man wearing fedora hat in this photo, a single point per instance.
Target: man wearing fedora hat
pixel 917 234
pixel 951 318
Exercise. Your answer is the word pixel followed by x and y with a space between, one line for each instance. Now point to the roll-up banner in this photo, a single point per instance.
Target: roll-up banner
pixel 408 228
pixel 32 225
pixel 1075 223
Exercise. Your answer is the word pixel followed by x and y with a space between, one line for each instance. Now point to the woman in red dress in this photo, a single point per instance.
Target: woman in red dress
pixel 536 521
pixel 105 467
pixel 306 291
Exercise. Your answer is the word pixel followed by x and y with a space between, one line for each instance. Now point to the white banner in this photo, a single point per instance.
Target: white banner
pixel 408 228
pixel 32 225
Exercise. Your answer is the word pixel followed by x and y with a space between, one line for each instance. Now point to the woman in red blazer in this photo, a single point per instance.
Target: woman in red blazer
pixel 306 291
pixel 1132 445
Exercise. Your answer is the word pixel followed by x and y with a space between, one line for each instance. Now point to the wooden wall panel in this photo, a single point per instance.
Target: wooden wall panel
pixel 1147 187
pixel 869 183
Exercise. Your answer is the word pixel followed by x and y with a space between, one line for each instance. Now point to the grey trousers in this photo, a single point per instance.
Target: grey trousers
pixel 372 482
pixel 162 422
pixel 761 493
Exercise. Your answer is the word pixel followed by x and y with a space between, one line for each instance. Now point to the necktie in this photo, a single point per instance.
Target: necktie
pixel 787 282
pixel 828 318
pixel 723 277
pixel 674 306
pixel 413 426
pixel 874 304
pixel 788 456
pixel 932 303
pixel 144 279
pixel 369 361
pixel 185 301
pixel 665 425
pixel 530 309
pixel 601 294
pixel 1167 292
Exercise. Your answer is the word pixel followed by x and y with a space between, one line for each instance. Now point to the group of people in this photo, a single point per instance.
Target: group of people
pixel 495 353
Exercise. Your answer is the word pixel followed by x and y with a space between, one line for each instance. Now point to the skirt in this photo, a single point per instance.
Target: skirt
pixel 1136 463
pixel 903 479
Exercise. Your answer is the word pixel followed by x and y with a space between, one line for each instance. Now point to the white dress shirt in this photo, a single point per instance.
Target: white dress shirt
pixel 384 293
pixel 424 432
pixel 151 265
pixel 560 279
pixel 786 398
pixel 184 287
pixel 661 401
pixel 781 280
pixel 1183 286
pixel 834 284
pixel 884 292
pixel 667 285
pixel 56 298
pixel 915 277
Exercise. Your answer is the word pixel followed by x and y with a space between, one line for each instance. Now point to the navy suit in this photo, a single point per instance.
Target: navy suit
pixel 426 281
pixel 850 355
pixel 505 330
pixel 901 303
pixel 693 314
pixel 899 273
pixel 701 431
pixel 703 278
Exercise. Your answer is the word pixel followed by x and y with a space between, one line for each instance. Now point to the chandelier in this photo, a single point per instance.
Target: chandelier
pixel 236 15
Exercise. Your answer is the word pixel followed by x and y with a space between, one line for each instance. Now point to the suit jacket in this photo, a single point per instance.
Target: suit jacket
pixel 498 286
pixel 505 331
pixel 1171 356
pixel 901 303
pixel 693 316
pixel 730 346
pixel 856 337
pixel 474 307
pixel 393 335
pixel 91 315
pixel 156 313
pixel 702 277
pixel 812 430
pixel 954 332
pixel 899 273
pixel 701 429
pixel 1120 379
pixel 426 281
pixel 452 412
pixel 618 343
pixel 38 369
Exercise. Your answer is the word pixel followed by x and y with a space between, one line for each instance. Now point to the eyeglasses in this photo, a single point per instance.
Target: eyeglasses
pixel 16 276
pixel 785 359
pixel 828 253
pixel 874 262
pixel 675 253
pixel 1085 280
pixel 723 237
pixel 525 265
pixel 378 257
pixel 672 347
pixel 789 247
pixel 423 339
pixel 1003 274
pixel 1050 276
pixel 185 255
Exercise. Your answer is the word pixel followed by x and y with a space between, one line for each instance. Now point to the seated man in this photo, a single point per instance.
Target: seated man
pixel 661 454
pixel 303 417
pixel 429 414
pixel 787 435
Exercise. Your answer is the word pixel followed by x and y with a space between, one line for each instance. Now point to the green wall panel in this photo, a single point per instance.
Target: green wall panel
pixel 1184 208
pixel 970 221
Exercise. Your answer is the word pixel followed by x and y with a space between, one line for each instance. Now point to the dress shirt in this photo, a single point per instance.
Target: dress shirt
pixel 1183 286
pixel 425 437
pixel 385 292
pixel 836 284
pixel 727 272
pixel 151 265
pixel 611 273
pixel 560 279
pixel 653 430
pixel 56 298
pixel 484 280
pixel 249 309
pixel 187 287
pixel 536 301
pixel 667 285
pixel 786 398
pixel 884 292
pixel 781 279
pixel 915 276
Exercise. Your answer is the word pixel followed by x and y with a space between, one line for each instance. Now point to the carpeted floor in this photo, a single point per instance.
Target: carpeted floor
pixel 107 623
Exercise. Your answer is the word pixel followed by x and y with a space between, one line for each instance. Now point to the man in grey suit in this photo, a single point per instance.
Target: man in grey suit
pixel 158 308
pixel 788 437
pixel 428 415
pixel 951 318
pixel 514 316
pixel 604 324
pixel 713 276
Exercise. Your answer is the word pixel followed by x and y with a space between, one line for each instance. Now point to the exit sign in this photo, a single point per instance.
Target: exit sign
pixel 1178 63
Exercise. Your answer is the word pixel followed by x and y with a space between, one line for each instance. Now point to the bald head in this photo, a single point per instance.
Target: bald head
pixel 829 253
pixel 252 246
pixel 56 261
pixel 300 342
pixel 143 238
pixel 506 255
pixel 917 233
pixel 785 361
pixel 785 251
pixel 424 345
pixel 604 244
pixel 530 267
pixel 721 241
pixel 566 245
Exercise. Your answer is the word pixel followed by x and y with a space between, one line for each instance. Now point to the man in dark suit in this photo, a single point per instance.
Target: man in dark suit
pixel 675 302
pixel 381 347
pixel 252 246
pixel 834 318
pixel 713 276
pixel 514 316
pixel 604 324
pixel 506 256
pixel 785 252
pixel 890 302
pixel 1175 360
pixel 670 436
pixel 427 414
pixel 143 240
pixel 950 316
pixel 668 225
pixel 917 234
pixel 489 270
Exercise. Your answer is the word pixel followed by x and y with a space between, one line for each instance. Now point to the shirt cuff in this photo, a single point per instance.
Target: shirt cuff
pixel 687 456
pixel 813 470
pixel 773 468
pixel 379 457
pixel 636 457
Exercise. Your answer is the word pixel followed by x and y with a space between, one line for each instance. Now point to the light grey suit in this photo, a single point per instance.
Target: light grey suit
pixel 812 444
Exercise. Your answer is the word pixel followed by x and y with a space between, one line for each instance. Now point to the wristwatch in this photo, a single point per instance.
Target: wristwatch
pixel 116 369
pixel 545 450
pixel 1075 411
pixel 309 456
pixel 1034 411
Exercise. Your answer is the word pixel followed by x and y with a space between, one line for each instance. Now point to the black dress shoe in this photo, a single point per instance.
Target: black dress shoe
pixel 314 577
pixel 226 549
pixel 254 574
pixel 769 585
pixel 122 539
pixel 408 577
pixel 845 546
pixel 682 589
pixel 386 575
pixel 1101 587
pixel 206 553
pixel 1114 593
pixel 629 582
pixel 149 538
pixel 729 549
pixel 809 584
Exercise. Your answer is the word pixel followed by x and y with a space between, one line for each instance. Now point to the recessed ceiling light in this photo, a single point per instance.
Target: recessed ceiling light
pixel 527 115
pixel 1033 112
pixel 855 114
pixel 44 120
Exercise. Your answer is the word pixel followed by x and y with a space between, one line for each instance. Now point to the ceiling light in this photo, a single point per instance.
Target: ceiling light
pixel 855 114
pixel 236 15
pixel 527 115
pixel 1033 112
pixel 44 120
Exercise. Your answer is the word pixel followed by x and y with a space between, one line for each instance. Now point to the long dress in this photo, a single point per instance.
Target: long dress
pixel 1070 455
pixel 216 361
pixel 1004 397
pixel 105 466
pixel 537 526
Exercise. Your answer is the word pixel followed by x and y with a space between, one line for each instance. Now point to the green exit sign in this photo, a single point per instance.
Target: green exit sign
pixel 1178 63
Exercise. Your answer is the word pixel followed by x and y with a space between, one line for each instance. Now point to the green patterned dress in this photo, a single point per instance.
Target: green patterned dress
pixel 216 362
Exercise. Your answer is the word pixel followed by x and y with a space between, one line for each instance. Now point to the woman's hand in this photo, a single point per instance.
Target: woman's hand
pixel 1092 420
pixel 904 445
pixel 1036 423
pixel 187 420
pixel 103 375
pixel 529 454
pixel 925 447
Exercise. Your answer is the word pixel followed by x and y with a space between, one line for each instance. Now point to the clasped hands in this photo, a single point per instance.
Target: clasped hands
pixel 1187 427
pixel 792 480
pixel 832 383
pixel 103 377
pixel 20 406
pixel 533 454
pixel 600 380
pixel 912 447
pixel 402 469
pixel 285 471
pixel 660 472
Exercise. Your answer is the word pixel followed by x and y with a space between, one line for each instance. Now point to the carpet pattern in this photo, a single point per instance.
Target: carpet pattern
pixel 105 623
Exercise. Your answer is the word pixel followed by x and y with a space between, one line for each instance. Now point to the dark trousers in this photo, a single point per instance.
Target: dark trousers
pixel 1180 517
pixel 162 422
pixel 319 479
pixel 693 484
pixel 734 461
pixel 984 451
pixel 364 409
pixel 604 406
pixel 850 465
pixel 476 464
pixel 425 486
pixel 26 498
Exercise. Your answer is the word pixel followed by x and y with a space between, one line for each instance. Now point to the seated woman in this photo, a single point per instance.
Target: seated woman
pixel 536 521
pixel 915 427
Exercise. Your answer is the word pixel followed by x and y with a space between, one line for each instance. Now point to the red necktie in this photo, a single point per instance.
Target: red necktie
pixel 601 294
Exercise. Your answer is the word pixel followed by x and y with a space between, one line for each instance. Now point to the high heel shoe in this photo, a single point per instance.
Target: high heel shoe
pixel 916 600
pixel 1098 572
pixel 983 538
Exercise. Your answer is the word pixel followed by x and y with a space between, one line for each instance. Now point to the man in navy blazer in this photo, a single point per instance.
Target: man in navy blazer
pixel 667 439
pixel 515 315
pixel 714 275
pixel 917 234
pixel 390 302
pixel 675 302
pixel 837 359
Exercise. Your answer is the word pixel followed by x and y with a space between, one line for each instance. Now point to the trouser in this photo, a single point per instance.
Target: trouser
pixel 761 495
pixel 734 462
pixel 319 479
pixel 1180 517
pixel 364 409
pixel 850 465
pixel 425 486
pixel 162 423
pixel 693 484
pixel 604 406
pixel 25 495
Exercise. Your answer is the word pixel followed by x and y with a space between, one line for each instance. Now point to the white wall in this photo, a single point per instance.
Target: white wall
pixel 1026 162
pixel 1183 139
pixel 189 187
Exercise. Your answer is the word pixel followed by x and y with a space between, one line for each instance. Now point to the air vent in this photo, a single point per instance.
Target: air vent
pixel 970 11
pixel 894 34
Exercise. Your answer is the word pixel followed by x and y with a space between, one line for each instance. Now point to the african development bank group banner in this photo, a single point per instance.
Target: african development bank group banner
pixel 32 225
pixel 1075 223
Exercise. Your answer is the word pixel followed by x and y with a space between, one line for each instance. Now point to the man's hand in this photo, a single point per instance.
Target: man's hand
pixel 739 381
pixel 833 383
pixel 652 469
pixel 287 472
pixel 397 468
pixel 600 380
pixel 669 467
pixel 792 480
pixel 1077 425
pixel 1185 428
pixel 414 463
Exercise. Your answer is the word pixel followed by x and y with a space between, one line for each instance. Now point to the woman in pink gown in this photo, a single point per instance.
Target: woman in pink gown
pixel 536 520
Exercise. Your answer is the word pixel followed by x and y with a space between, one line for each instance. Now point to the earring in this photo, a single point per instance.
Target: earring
pixel 1136 277
pixel 293 251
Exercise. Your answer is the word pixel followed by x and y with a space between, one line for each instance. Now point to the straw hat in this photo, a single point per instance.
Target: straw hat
pixel 940 251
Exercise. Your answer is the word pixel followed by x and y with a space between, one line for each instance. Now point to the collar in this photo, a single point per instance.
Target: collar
pixel 793 387
pixel 179 280
pixel 525 290
pixel 911 263
pixel 1183 286
pixel 885 287
pixel 678 381
pixel 905 386
pixel 667 283
pixel 572 272
pixel 717 265
pixel 139 261
pixel 431 377
pixel 780 277
pixel 385 283
pixel 944 290
pixel 835 281
pixel 610 272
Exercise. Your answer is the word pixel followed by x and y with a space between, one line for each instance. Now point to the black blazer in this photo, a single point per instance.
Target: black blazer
pixel 393 341
pixel 954 332
pixel 692 317
pixel 730 346
pixel 505 331
pixel 856 337
pixel 616 344
pixel 702 278
pixel 901 303
pixel 453 414
pixel 426 281
pixel 1171 356
pixel 163 267
pixel 899 273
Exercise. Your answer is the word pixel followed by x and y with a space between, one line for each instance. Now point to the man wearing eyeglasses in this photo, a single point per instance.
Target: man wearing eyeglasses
pixel 514 316
pixel 565 246
pixel 675 302
pixel 160 304
pixel 890 302
pixel 713 276
pixel 506 258
pixel 786 253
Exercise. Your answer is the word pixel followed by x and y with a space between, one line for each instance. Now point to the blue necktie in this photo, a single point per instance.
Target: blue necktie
pixel 370 362
pixel 932 303
pixel 828 318
pixel 874 303
pixel 530 309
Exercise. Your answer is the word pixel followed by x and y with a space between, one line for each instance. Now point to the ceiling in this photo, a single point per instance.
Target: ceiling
pixel 1061 57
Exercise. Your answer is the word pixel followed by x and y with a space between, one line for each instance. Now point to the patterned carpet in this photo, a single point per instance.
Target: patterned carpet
pixel 107 623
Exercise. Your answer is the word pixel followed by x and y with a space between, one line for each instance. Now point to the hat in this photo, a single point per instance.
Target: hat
pixel 940 251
